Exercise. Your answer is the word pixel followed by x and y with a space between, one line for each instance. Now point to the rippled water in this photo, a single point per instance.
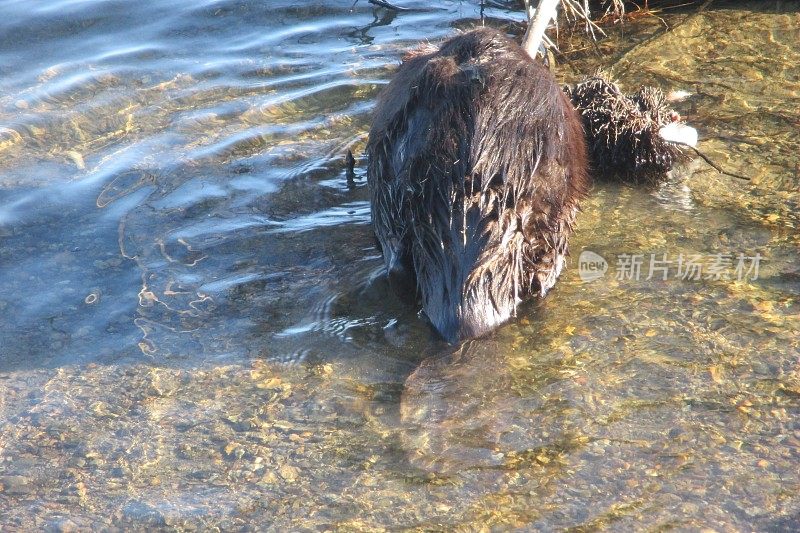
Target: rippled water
pixel 196 332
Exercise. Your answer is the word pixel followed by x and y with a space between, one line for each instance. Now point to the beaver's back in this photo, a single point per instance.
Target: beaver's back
pixel 477 162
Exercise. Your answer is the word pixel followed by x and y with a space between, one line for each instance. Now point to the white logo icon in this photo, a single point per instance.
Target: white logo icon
pixel 591 266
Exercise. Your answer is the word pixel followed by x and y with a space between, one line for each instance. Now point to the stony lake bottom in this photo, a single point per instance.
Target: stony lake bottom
pixel 196 332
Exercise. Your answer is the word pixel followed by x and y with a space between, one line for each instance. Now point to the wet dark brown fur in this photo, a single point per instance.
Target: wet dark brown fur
pixel 477 162
pixel 622 131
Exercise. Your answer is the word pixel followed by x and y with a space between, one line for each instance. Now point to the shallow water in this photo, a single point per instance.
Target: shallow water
pixel 196 332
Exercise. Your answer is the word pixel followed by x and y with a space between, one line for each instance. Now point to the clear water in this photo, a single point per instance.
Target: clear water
pixel 196 333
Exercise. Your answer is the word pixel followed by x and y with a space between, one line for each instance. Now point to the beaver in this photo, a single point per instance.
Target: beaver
pixel 477 164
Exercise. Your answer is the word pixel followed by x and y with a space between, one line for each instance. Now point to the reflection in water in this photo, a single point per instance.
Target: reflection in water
pixel 197 331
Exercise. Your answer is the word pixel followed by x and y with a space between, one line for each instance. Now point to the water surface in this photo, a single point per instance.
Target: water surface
pixel 196 332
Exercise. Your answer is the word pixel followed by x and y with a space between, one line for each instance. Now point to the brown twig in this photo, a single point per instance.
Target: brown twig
pixel 717 167
pixel 350 163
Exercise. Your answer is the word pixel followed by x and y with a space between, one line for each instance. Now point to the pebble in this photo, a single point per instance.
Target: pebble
pixel 62 525
pixel 16 484
pixel 143 515
pixel 288 473
pixel 76 158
